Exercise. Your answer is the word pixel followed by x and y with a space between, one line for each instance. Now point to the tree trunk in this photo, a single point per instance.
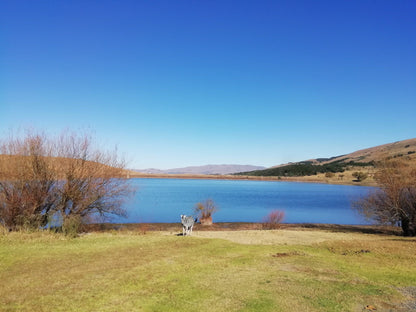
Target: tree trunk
pixel 408 229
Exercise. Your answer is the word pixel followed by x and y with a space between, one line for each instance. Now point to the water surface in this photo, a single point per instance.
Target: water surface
pixel 164 200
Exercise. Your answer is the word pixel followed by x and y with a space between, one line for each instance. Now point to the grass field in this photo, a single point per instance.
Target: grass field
pixel 281 270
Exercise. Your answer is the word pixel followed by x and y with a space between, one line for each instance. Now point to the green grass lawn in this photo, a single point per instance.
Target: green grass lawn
pixel 160 271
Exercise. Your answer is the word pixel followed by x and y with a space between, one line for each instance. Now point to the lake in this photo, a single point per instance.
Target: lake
pixel 164 200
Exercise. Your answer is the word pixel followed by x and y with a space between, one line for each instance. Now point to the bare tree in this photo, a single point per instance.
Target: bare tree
pixel 93 180
pixel 68 175
pixel 273 220
pixel 27 188
pixel 395 200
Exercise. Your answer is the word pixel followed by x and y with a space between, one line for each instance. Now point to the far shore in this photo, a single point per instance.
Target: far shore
pixel 319 178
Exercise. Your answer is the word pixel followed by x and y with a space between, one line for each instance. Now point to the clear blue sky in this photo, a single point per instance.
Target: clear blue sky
pixel 178 83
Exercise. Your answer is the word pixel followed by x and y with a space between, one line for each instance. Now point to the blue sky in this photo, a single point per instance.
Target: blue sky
pixel 179 83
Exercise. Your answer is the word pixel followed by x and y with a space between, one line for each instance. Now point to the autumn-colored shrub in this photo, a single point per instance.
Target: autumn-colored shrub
pixel 273 220
pixel 205 210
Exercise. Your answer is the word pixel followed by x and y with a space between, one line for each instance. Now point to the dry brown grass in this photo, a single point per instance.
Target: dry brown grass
pixel 294 236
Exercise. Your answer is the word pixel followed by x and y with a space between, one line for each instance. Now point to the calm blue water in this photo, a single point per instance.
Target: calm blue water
pixel 164 200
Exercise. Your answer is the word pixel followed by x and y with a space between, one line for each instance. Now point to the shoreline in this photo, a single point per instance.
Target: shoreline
pixel 302 179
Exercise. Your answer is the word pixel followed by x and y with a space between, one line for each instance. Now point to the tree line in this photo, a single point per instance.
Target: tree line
pixel 306 168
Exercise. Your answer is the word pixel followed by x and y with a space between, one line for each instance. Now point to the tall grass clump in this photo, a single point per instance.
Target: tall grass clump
pixel 71 226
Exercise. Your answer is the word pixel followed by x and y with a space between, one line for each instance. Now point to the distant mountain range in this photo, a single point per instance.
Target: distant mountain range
pixel 207 169
pixel 405 149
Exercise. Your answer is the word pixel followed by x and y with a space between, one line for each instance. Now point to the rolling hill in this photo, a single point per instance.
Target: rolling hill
pixel 400 149
pixel 365 158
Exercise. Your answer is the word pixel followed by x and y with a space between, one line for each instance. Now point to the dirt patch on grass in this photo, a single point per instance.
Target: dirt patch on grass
pixel 281 237
pixel 410 294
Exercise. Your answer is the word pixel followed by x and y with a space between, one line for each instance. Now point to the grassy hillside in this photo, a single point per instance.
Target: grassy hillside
pixel 405 149
pixel 307 168
pixel 59 165
pixel 343 165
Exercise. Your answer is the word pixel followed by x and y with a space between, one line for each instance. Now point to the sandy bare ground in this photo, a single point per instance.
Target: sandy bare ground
pixel 253 233
pixel 283 237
